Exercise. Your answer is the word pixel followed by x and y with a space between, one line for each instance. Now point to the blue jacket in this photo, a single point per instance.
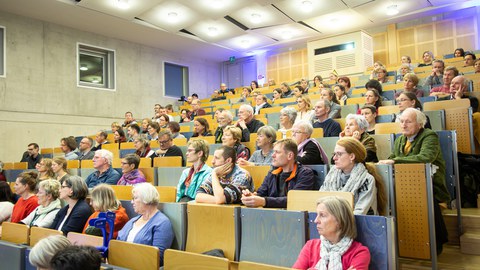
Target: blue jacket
pixel 75 221
pixel 157 232
pixel 301 179
pixel 110 177
pixel 197 180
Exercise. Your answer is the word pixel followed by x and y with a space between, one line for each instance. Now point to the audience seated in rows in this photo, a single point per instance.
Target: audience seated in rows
pixel 153 130
pixel 287 175
pixel 420 145
pixel 174 127
pixel 352 174
pixel 119 136
pixel 193 177
pixel 49 205
pixel 104 173
pixel 297 91
pixel 345 81
pixel 131 175
pixel 226 181
pixel 356 126
pixel 427 59
pixel 32 156
pixel 340 93
pixel 142 147
pixel 277 94
pixel 286 91
pixel 59 167
pixel 103 199
pixel 404 70
pixel 151 227
pixel 469 59
pixel 196 109
pixel 410 82
pixel 336 248
pixel 330 127
pixel 409 100
pixel 73 216
pixel 266 136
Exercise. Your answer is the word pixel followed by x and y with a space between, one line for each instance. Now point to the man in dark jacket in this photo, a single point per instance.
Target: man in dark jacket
pixel 287 175
pixel 247 123
pixel 167 148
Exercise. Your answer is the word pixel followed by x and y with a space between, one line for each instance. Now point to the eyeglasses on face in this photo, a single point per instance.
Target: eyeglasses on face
pixel 338 154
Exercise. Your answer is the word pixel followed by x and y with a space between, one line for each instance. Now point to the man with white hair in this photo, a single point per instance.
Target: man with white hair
pixel 421 145
pixel 458 88
pixel 104 174
pixel 246 122
pixel 225 118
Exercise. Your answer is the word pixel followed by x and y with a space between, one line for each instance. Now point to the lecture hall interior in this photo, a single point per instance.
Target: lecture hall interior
pixel 72 67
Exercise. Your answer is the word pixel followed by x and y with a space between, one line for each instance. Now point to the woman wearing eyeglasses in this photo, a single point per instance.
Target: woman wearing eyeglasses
pixel 131 174
pixel 409 100
pixel 352 174
pixel 73 216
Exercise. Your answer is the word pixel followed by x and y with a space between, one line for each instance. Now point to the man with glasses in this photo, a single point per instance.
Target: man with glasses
pixel 85 148
pixel 32 155
pixel 196 109
pixel 104 174
pixel 287 175
pixel 167 148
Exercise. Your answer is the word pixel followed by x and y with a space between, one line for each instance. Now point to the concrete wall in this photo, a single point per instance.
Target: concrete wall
pixel 39 98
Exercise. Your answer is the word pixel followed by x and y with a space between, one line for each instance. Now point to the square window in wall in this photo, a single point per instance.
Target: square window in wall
pixel 95 67
pixel 3 72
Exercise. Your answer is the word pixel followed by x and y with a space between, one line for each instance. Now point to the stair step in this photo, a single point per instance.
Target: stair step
pixel 470 243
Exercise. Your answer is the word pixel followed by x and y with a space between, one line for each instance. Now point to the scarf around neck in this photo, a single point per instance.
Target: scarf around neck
pixel 331 254
pixel 357 178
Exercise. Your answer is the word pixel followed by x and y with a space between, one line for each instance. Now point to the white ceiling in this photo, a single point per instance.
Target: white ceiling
pixel 217 29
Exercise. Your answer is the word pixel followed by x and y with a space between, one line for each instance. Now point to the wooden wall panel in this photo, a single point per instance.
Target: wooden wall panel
pixel 424 33
pixel 444 29
pixel 288 66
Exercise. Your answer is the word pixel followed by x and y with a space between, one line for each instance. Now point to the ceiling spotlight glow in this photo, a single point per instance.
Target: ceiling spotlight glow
pixel 96 80
pixel 122 4
pixel 255 18
pixel 245 43
pixel 392 10
pixel 307 5
pixel 217 4
pixel 286 35
pixel 83 67
pixel 212 31
pixel 173 17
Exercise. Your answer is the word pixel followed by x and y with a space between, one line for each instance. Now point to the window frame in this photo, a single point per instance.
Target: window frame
pixel 185 79
pixel 3 51
pixel 108 68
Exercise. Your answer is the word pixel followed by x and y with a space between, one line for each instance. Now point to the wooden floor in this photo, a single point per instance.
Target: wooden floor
pixel 451 258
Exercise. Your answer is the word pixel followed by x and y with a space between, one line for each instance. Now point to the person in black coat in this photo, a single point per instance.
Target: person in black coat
pixel 73 216
pixel 167 149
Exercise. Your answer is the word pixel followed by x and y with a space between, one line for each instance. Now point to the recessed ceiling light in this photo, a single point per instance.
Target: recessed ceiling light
pixel 122 4
pixel 286 35
pixel 307 5
pixel 255 18
pixel 245 43
pixel 392 10
pixel 173 17
pixel 212 31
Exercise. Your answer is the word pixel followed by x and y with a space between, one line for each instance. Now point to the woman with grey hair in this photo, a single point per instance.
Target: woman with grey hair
pixel 49 205
pixel 266 136
pixel 73 216
pixel 43 251
pixel 150 227
pixel 142 145
pixel 309 150
pixel 356 126
pixel 288 115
